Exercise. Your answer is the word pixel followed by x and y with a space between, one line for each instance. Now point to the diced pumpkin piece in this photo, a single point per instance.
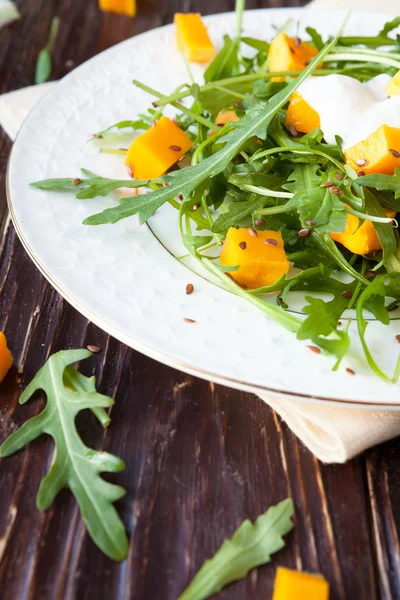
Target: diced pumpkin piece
pixel 192 37
pixel 261 259
pixel 393 87
pixel 362 240
pixel 293 585
pixel 226 115
pixel 156 150
pixel 120 7
pixel 6 358
pixel 301 116
pixel 378 153
pixel 287 54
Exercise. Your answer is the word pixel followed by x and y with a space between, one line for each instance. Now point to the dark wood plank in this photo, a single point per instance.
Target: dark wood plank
pixel 199 458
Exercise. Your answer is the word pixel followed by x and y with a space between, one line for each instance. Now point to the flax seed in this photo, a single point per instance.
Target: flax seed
pixel 398 338
pixel 298 41
pixel 303 232
pixel 360 173
pixel 293 131
pixel 270 242
pixel 350 371
pixel 94 349
pixel 336 191
pixel 252 232
pixel 310 223
pixel 187 320
pixel 196 207
pixel 340 176
pixel 395 153
pixel 175 148
pixel 76 181
pixel 314 349
pixel 361 162
pixel 189 288
pixel 259 222
pixel 347 293
pixel 327 184
pixel 242 245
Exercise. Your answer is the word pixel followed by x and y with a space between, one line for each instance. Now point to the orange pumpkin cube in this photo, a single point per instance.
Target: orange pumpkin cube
pixel 378 153
pixel 156 150
pixel 261 259
pixel 362 240
pixel 192 37
pixel 301 116
pixel 294 585
pixel 226 115
pixel 120 7
pixel 393 87
pixel 6 358
pixel 287 54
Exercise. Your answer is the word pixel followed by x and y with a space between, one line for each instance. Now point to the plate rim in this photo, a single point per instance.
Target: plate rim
pixel 149 351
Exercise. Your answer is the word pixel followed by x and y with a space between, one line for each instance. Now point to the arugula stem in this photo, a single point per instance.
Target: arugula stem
pixel 297 150
pixel 266 192
pixel 328 247
pixel 348 56
pixel 239 9
pixel 366 217
pixel 222 88
pixel 180 107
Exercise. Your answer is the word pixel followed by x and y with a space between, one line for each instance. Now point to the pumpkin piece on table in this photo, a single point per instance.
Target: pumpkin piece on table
pixel 6 358
pixel 294 585
pixel 155 151
pixel 360 240
pixel 301 116
pixel 378 153
pixel 288 54
pixel 261 258
pixel 120 7
pixel 192 37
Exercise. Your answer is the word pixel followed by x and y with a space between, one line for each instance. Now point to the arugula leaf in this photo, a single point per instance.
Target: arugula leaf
pixel 226 63
pixel 313 202
pixel 322 317
pixel 384 231
pixel 44 63
pixel 184 181
pixel 382 182
pixel 135 125
pixel 377 288
pixel 389 26
pixel 250 546
pixel 260 45
pixel 91 186
pixel 236 212
pixel 75 465
pixel 316 38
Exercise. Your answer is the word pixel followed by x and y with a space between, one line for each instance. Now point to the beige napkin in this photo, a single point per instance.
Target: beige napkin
pixel 333 434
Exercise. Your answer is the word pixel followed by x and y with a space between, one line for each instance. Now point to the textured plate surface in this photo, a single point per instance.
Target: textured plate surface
pixel 121 277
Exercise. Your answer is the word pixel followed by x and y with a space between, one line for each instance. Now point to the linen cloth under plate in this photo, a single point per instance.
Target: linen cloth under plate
pixel 333 434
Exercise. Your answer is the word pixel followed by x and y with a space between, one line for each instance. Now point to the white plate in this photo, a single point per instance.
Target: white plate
pixel 121 277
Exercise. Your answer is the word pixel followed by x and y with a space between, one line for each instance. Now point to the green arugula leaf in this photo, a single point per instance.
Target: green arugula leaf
pixel 382 182
pixel 138 124
pixel 250 546
pixel 75 465
pixel 226 63
pixel 236 212
pixel 184 181
pixel 44 63
pixel 377 288
pixel 92 185
pixel 384 231
pixel 313 202
pixel 389 26
pixel 260 45
pixel 322 317
pixel 316 37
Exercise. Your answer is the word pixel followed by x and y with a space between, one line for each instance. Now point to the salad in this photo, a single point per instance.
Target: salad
pixel 284 170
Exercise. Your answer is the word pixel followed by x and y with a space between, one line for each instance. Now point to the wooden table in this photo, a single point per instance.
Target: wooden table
pixel 199 458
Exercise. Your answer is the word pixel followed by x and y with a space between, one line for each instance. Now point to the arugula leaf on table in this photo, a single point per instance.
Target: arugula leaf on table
pixel 44 64
pixel 313 202
pixel 382 182
pixel 75 465
pixel 250 546
pixel 184 181
pixel 90 186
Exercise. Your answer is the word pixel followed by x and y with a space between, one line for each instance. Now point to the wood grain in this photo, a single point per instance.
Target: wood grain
pixel 199 458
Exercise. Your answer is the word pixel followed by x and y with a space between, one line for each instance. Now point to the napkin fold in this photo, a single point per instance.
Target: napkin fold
pixel 333 434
